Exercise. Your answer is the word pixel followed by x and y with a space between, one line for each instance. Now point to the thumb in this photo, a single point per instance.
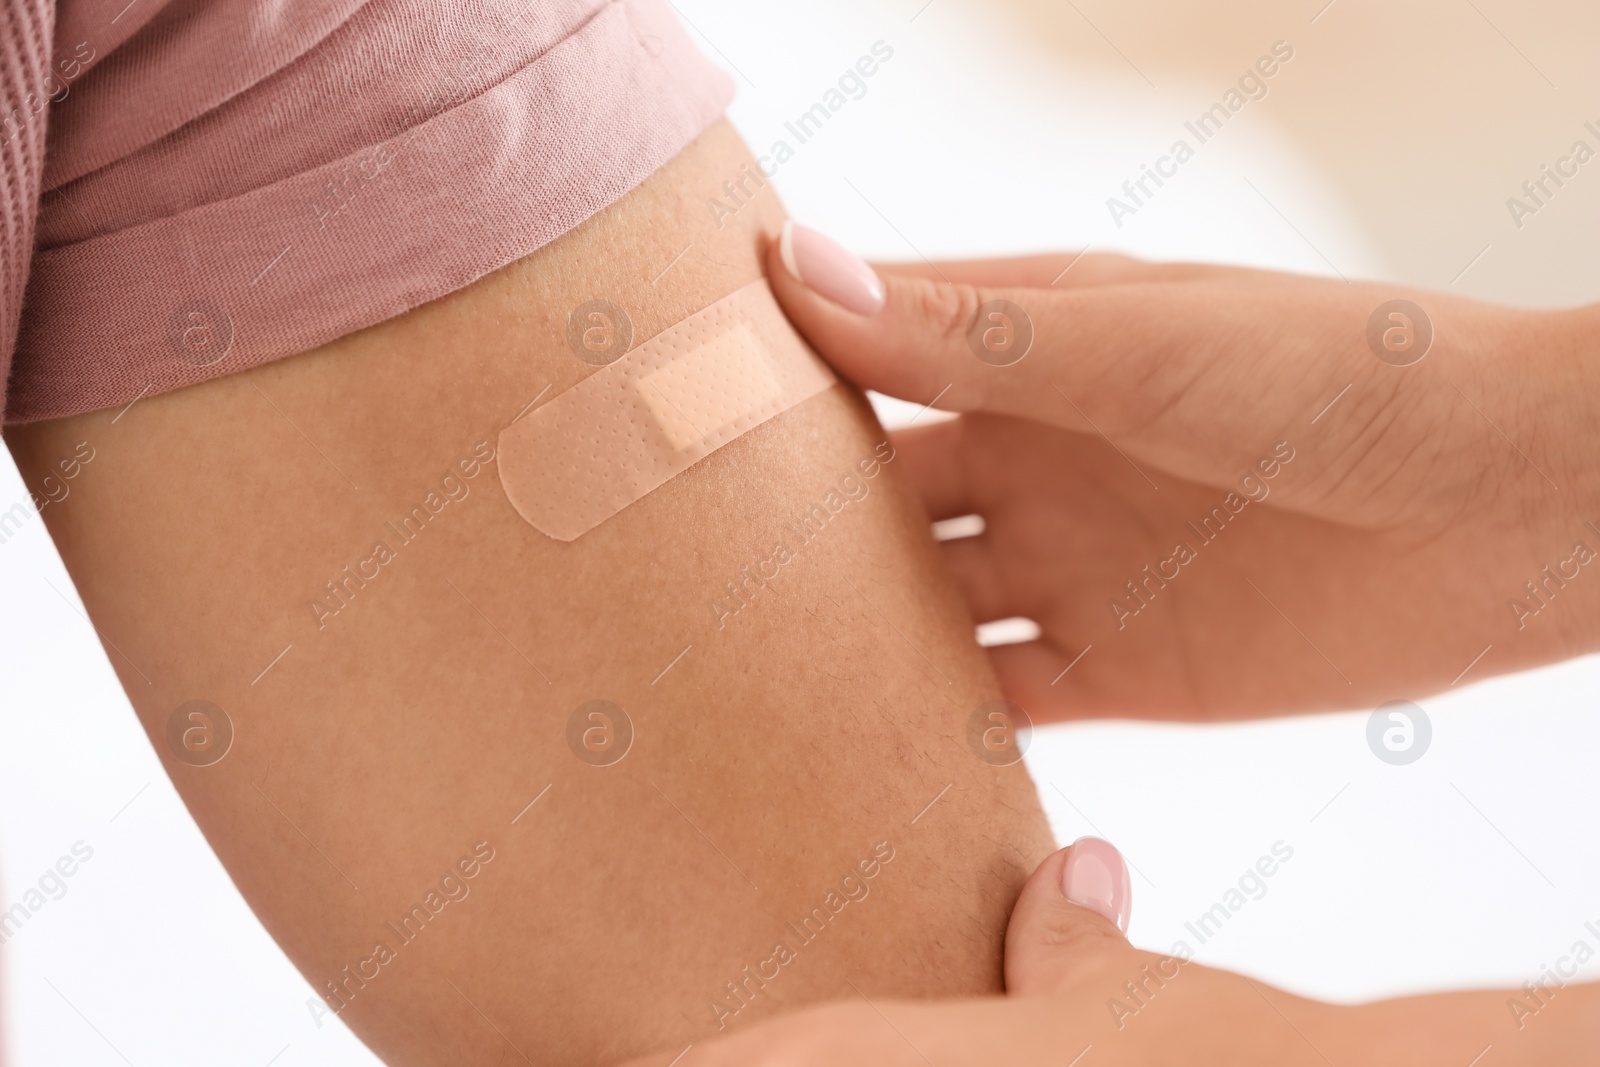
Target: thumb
pixel 1072 913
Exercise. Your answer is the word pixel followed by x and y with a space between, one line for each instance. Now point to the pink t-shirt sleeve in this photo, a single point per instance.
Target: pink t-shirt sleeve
pixel 225 183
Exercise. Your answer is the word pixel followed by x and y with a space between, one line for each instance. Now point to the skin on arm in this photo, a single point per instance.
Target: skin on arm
pixel 410 721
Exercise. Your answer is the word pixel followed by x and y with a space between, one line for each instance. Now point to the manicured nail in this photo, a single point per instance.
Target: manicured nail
pixel 1095 877
pixel 831 269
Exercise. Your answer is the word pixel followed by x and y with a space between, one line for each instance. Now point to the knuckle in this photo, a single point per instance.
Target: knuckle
pixel 947 309
pixel 1085 939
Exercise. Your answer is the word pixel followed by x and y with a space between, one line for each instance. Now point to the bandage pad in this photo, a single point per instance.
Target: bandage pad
pixel 581 457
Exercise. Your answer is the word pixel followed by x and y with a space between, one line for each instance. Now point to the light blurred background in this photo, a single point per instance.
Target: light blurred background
pixel 1387 147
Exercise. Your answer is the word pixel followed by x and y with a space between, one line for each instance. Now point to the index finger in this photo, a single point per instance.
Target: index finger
pixel 1187 377
pixel 1065 270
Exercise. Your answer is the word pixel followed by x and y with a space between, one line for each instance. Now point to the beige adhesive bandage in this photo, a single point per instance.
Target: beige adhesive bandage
pixel 578 459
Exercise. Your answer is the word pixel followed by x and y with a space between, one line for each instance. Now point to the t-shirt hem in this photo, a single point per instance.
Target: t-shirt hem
pixel 282 269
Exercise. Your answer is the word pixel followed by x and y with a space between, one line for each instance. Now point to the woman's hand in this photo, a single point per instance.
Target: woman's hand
pixel 1080 994
pixel 1067 964
pixel 1224 492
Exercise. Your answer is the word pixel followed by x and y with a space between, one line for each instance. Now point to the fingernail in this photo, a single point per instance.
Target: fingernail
pixel 1095 877
pixel 831 269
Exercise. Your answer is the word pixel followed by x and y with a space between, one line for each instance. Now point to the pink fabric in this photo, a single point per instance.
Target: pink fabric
pixel 24 37
pixel 228 182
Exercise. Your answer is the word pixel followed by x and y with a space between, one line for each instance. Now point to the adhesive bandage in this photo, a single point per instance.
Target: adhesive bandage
pixel 581 457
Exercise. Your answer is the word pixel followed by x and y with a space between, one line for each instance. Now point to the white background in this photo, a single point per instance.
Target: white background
pixel 1386 148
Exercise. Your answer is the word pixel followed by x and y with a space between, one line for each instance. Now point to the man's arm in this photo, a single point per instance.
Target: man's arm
pixel 415 799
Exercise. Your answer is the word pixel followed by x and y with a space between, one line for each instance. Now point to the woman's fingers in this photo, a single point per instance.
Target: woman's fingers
pixel 1043 678
pixel 932 458
pixel 1008 350
pixel 1192 378
pixel 980 575
pixel 900 334
pixel 1068 270
pixel 1072 914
